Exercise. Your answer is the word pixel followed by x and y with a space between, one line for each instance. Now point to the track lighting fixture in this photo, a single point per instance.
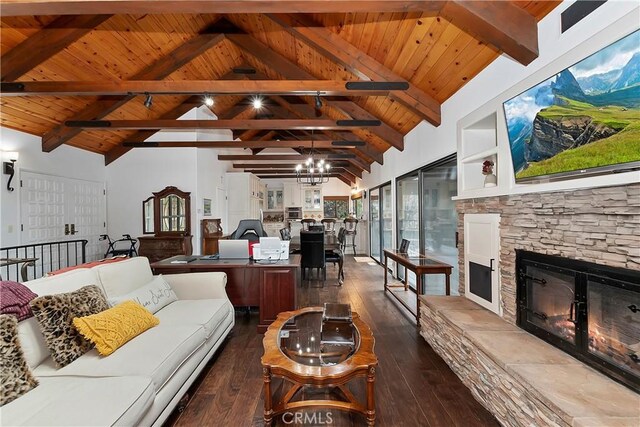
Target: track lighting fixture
pixel 318 101
pixel 148 102
pixel 208 100
pixel 257 103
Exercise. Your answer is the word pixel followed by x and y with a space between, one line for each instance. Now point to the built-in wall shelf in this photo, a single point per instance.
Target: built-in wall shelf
pixel 477 143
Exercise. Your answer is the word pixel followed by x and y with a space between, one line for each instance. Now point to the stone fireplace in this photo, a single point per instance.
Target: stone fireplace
pixel 598 225
pixel 590 311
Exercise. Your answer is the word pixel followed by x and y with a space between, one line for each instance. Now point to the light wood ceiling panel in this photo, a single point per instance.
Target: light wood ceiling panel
pixel 17 29
pixel 428 51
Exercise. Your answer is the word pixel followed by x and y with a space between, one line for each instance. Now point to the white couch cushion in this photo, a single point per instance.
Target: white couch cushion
pixel 64 282
pixel 31 340
pixel 157 354
pixel 69 401
pixel 122 277
pixel 152 296
pixel 208 313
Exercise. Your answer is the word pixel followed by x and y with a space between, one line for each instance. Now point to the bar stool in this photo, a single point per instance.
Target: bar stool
pixel 351 229
pixel 307 222
pixel 329 225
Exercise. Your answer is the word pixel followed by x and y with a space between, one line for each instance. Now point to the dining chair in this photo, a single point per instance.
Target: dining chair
pixel 351 229
pixel 307 222
pixel 336 256
pixel 312 251
pixel 285 234
pixel 329 225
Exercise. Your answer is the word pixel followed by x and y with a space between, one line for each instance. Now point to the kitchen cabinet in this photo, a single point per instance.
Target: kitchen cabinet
pixel 245 197
pixel 312 199
pixel 292 195
pixel 275 199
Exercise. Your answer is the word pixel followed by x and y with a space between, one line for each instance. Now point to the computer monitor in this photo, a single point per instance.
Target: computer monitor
pixel 233 249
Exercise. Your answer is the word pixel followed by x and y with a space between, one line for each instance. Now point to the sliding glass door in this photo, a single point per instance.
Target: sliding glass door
pixel 427 218
pixel 407 207
pixel 380 220
pixel 374 223
pixel 439 221
pixel 387 216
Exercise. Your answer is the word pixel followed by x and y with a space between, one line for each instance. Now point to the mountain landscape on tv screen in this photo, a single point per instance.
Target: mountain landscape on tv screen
pixel 586 116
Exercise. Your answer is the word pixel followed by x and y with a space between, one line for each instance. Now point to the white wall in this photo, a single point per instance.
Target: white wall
pixel 65 161
pixel 427 143
pixel 136 175
pixel 142 171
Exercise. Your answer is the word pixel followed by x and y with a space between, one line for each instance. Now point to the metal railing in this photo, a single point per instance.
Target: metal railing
pixel 40 258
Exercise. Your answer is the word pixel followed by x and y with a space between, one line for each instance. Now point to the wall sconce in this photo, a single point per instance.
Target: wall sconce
pixel 10 166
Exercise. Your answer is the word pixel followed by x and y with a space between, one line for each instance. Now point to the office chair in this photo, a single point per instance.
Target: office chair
pixel 249 229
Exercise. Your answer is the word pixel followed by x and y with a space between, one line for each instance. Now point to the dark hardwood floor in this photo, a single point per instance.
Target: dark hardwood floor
pixel 414 386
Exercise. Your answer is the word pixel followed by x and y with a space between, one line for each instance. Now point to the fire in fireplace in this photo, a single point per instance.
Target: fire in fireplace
pixel 588 310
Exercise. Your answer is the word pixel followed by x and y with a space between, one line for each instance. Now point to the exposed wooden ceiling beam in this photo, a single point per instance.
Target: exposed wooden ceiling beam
pixel 117 152
pixel 501 24
pixel 218 124
pixel 365 67
pixel 235 144
pixel 271 165
pixel 139 7
pixel 46 43
pixel 189 87
pixel 341 171
pixel 290 70
pixel 159 69
pixel 305 111
pixel 332 175
pixel 285 157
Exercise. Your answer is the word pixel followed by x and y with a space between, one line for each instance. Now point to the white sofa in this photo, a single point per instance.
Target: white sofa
pixel 141 382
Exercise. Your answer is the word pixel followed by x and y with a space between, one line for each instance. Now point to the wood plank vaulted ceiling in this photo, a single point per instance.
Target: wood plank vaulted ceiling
pixel 94 60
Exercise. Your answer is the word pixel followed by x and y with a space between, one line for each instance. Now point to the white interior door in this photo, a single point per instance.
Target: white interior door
pixel 481 255
pixel 55 209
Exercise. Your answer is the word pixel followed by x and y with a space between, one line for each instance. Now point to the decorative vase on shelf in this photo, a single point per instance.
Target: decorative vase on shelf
pixel 490 180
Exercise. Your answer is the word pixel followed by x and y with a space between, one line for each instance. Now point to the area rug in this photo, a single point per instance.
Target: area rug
pixel 362 259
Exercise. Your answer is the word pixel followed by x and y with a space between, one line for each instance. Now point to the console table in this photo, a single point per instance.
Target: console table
pixel 270 287
pixel 420 265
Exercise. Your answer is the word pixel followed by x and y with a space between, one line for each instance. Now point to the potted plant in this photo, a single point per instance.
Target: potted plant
pixel 490 180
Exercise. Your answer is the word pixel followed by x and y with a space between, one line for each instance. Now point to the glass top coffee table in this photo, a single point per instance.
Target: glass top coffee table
pixel 294 352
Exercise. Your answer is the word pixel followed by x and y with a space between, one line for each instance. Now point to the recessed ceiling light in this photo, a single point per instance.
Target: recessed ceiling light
pixel 257 103
pixel 208 100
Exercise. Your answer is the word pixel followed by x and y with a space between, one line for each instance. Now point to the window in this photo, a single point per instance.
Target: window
pixel 358 204
pixel 336 207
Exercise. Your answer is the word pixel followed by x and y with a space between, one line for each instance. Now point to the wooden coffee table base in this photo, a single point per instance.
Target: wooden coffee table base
pixel 350 403
pixel 275 363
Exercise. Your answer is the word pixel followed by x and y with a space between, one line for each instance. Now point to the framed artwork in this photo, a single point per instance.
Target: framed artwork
pixel 206 207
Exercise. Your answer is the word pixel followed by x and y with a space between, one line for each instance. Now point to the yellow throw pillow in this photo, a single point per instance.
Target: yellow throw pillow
pixel 112 328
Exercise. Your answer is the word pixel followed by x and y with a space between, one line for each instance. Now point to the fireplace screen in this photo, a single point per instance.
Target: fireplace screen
pixel 551 295
pixel 614 325
pixel 588 310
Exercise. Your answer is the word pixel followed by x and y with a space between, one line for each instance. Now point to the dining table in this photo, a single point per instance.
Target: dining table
pixel 330 242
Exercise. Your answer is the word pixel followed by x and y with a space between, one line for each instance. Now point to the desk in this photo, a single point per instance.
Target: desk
pixel 271 287
pixel 420 265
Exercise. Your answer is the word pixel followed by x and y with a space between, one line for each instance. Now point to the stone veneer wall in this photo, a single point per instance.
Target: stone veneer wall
pixel 600 225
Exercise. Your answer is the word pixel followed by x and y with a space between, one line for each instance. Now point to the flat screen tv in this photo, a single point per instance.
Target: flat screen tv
pixel 583 121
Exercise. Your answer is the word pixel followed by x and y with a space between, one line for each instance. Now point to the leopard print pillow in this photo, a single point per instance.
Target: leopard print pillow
pixel 55 315
pixel 15 377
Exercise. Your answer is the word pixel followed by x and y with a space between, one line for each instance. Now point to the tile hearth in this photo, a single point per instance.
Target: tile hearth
pixel 519 378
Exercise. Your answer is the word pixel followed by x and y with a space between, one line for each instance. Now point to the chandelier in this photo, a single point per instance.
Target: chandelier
pixel 313 172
